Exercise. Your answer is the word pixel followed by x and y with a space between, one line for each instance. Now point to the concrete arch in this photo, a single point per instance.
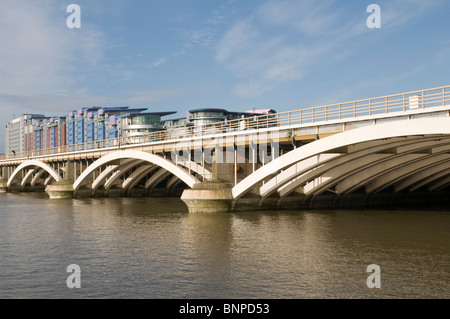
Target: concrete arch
pixel 157 178
pixel 172 182
pixel 356 156
pixel 385 168
pixel 399 173
pixel 36 177
pixel 364 176
pixel 428 127
pixel 137 155
pixel 27 176
pixel 34 163
pixel 48 180
pixel 424 177
pixel 109 172
pixel 196 168
pixel 136 176
pixel 140 173
pixel 120 171
pixel 440 184
pixel 103 176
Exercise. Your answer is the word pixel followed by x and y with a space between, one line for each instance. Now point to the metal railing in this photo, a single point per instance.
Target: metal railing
pixel 373 107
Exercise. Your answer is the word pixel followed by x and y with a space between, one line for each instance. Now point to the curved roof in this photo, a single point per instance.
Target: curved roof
pixel 208 110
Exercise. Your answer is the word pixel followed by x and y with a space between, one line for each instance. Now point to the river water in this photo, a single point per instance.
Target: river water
pixel 153 248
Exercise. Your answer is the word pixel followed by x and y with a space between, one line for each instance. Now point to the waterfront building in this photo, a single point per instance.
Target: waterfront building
pixel 17 133
pixel 99 126
pixel 133 124
pixel 207 116
pixel 85 125
pixel 174 123
pixel 255 114
pixel 210 115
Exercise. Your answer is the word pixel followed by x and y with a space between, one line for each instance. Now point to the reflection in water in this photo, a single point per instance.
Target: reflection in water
pixel 153 248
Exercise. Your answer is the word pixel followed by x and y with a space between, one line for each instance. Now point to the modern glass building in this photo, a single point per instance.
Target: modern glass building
pixel 130 124
pixel 85 125
pixel 208 115
pixel 97 126
pixel 174 123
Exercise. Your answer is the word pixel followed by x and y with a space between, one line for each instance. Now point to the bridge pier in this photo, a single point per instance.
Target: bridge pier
pixel 60 190
pixel 208 197
pixel 211 196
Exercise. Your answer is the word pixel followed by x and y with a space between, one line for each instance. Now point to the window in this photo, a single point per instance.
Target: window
pixel 144 120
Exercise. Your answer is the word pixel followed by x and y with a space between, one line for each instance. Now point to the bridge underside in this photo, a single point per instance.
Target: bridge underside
pixel 408 170
pixel 404 162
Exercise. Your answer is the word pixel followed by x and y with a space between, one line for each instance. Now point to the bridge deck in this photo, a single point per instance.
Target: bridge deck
pixel 303 125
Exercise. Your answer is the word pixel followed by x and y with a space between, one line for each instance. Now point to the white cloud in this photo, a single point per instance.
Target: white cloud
pixel 237 38
pixel 283 40
pixel 199 34
pixel 277 44
pixel 39 55
pixel 32 51
pixel 399 12
pixel 45 67
pixel 149 96
pixel 310 17
pixel 158 62
pixel 38 51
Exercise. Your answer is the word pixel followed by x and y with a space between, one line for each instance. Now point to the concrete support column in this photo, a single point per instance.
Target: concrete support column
pixel 3 185
pixel 213 196
pixel 208 197
pixel 70 171
pixel 60 190
pixel 91 177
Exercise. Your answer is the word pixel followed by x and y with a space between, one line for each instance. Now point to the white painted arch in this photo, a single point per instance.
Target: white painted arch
pixel 34 163
pixel 433 126
pixel 355 156
pixel 376 171
pixel 36 177
pixel 167 165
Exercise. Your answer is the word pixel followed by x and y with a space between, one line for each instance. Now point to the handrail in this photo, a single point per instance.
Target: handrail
pixel 383 105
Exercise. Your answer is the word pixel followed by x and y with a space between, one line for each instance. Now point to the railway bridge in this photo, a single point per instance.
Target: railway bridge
pixel 384 150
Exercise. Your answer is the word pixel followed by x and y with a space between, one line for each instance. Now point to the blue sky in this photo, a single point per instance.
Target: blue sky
pixel 176 55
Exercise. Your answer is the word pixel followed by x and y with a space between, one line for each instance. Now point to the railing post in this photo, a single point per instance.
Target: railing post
pixel 443 96
pixel 423 99
pixel 404 105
